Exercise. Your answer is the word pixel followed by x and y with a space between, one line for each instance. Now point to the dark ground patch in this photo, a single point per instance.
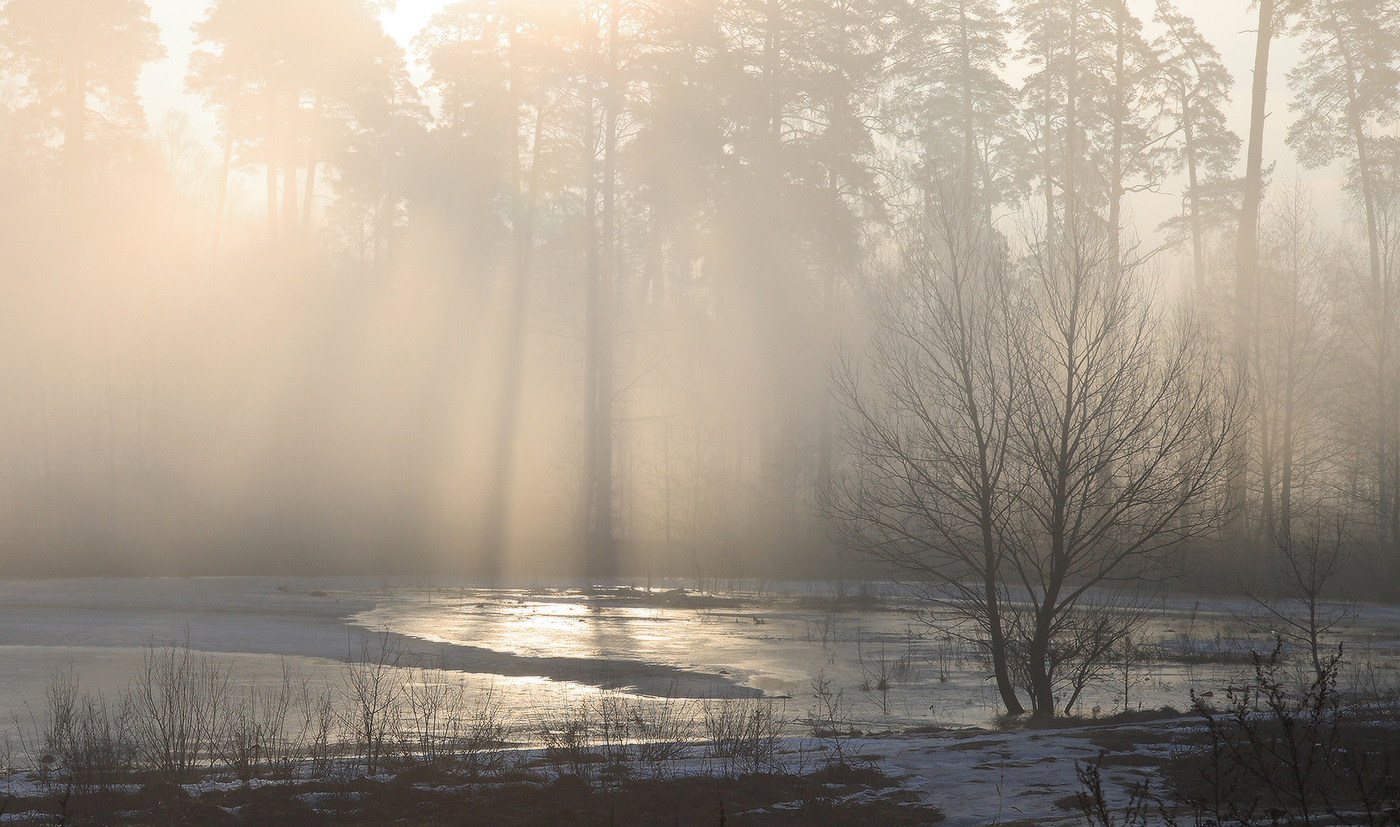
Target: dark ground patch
pixel 966 745
pixel 444 801
pixel 1130 760
pixel 1126 740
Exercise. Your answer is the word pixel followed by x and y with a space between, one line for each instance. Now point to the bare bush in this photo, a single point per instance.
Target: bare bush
pixel 1310 559
pixel 877 675
pixel 947 655
pixel 1092 641
pixel 663 728
pixel 255 733
pixel 742 734
pixel 374 694
pixel 448 725
pixel 435 705
pixel 60 714
pixel 1279 753
pixel 318 719
pixel 178 699
pixel 830 720
pixel 80 744
pixel 1143 807
pixel 613 715
pixel 482 731
pixel 905 669
pixel 100 752
pixel 1130 660
pixel 1295 754
pixel 81 741
pixel 568 738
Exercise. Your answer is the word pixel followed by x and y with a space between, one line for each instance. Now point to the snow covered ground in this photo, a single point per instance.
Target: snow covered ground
pixel 973 776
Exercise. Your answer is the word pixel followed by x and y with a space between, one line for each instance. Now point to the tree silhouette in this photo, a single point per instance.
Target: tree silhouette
pixel 296 85
pixel 951 56
pixel 1347 83
pixel 1198 85
pixel 80 58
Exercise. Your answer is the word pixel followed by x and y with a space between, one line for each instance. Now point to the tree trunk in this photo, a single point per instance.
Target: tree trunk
pixel 996 635
pixel 1049 164
pixel 271 194
pixel 310 186
pixel 654 271
pixel 497 499
pixel 1193 196
pixel 604 541
pixel 74 125
pixel 1115 184
pixel 1268 433
pixel 986 513
pixel 1065 457
pixel 1247 249
pixel 1070 184
pixel 588 474
pixel 826 425
pixel 1389 466
pixel 969 172
pixel 290 215
pixel 1042 686
pixel 220 202
pixel 597 510
pixel 310 192
pixel 1358 132
pixel 775 437
pixel 1285 450
pixel 1387 528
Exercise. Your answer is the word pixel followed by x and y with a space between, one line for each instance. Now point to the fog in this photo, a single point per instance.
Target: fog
pixel 540 289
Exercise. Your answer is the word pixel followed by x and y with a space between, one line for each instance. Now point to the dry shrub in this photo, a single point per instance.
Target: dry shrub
pixel 179 698
pixel 742 734
pixel 374 692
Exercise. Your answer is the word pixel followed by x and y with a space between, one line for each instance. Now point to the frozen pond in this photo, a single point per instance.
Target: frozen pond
pixel 546 649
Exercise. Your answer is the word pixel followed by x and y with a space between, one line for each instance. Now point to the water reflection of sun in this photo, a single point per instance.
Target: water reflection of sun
pixel 534 628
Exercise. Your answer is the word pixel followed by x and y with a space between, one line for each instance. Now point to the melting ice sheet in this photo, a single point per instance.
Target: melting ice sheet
pixel 540 648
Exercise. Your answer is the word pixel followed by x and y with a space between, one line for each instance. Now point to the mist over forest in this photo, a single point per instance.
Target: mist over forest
pixel 715 288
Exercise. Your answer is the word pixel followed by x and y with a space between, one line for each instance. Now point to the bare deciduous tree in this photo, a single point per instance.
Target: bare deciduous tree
pixel 1301 609
pixel 1122 435
pixel 1043 437
pixel 1290 349
pixel 930 428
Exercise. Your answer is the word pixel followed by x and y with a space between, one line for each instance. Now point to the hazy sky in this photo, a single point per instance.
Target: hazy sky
pixel 1229 25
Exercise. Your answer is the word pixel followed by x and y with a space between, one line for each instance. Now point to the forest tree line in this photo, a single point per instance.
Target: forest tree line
pixel 585 292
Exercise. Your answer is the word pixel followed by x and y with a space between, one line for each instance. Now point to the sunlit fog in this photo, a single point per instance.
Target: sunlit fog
pixel 694 412
pixel 550 288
